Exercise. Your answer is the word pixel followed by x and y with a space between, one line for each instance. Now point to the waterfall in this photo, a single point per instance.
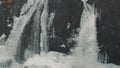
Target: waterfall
pixel 19 24
pixel 44 23
pixel 86 41
pixel 46 26
pixel 83 55
pixel 32 43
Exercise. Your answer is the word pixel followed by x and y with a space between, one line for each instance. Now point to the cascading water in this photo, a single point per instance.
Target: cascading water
pixel 85 53
pixel 86 48
pixel 44 34
pixel 50 25
pixel 34 43
pixel 19 25
pixel 46 24
pixel 86 41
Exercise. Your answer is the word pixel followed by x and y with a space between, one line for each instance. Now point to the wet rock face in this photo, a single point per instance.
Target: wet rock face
pixel 108 26
pixel 18 5
pixel 8 9
pixel 66 21
pixel 66 12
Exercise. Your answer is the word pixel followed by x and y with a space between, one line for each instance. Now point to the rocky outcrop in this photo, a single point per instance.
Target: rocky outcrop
pixel 109 28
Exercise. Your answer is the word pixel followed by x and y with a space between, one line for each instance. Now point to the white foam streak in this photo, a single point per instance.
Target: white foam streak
pixel 44 23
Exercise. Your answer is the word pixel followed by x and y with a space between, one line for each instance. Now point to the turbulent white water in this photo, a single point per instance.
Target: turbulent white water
pixel 86 41
pixel 84 55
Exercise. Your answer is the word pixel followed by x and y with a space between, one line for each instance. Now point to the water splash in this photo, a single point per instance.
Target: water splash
pixel 86 41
